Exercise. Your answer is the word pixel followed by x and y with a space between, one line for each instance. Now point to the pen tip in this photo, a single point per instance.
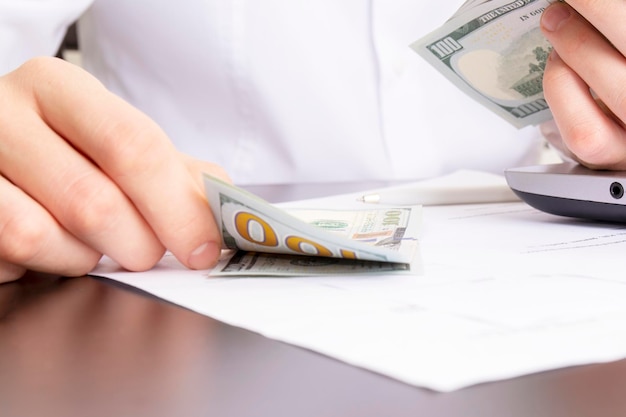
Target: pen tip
pixel 369 198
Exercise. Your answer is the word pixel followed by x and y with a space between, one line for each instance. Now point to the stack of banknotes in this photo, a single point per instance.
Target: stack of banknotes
pixel 494 51
pixel 263 239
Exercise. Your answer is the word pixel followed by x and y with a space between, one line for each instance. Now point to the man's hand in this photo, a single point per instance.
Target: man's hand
pixel 585 79
pixel 83 173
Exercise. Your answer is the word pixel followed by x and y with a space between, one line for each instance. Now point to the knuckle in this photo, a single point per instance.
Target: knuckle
pixel 130 145
pixel 90 206
pixel 50 68
pixel 37 64
pixel 22 237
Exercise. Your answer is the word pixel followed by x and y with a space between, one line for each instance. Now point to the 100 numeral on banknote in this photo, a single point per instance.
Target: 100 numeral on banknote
pixel 496 53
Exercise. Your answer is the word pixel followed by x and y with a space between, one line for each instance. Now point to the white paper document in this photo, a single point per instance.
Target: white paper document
pixel 504 291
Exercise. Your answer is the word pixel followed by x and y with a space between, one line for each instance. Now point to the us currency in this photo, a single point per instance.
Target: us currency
pixel 494 51
pixel 241 263
pixel 309 241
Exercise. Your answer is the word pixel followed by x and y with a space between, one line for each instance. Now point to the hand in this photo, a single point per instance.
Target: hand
pixel 83 173
pixel 585 79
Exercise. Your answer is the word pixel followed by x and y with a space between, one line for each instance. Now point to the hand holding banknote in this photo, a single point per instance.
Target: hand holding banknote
pixel 266 240
pixel 585 80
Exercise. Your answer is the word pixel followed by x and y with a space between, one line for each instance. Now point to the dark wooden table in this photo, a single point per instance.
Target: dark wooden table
pixel 92 347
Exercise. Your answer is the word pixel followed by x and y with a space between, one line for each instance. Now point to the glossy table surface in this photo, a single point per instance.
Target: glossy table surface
pixel 92 347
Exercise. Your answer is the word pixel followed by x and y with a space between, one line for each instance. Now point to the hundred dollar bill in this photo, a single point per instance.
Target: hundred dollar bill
pixel 494 51
pixel 248 223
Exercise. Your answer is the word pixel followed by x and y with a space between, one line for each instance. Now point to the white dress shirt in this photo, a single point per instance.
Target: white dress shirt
pixel 280 91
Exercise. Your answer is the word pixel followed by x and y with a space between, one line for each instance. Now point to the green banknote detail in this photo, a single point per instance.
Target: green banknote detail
pixel 496 53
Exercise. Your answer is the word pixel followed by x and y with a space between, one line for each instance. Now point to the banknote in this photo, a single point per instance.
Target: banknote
pixel 494 51
pixel 300 241
pixel 240 263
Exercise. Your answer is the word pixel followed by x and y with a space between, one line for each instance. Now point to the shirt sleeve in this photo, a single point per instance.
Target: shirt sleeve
pixel 30 28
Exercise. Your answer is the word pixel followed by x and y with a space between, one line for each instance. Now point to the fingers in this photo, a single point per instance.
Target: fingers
pixel 10 272
pixel 594 137
pixel 584 59
pixel 76 194
pixel 589 54
pixel 105 172
pixel 31 238
pixel 136 154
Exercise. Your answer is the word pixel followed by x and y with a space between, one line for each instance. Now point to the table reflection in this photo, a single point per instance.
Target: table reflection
pixel 81 347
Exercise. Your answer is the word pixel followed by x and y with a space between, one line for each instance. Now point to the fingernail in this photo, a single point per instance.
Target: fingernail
pixel 554 16
pixel 204 256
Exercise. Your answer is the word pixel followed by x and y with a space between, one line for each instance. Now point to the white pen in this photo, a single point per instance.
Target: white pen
pixel 460 187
